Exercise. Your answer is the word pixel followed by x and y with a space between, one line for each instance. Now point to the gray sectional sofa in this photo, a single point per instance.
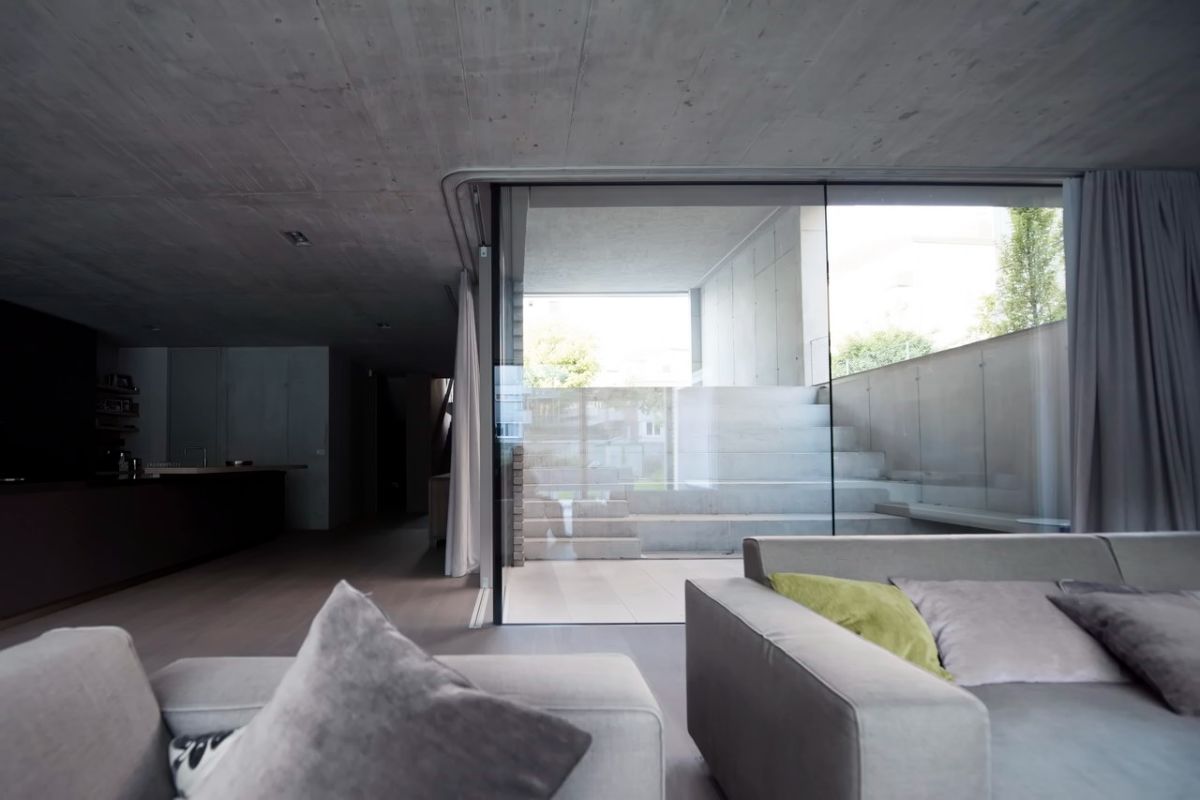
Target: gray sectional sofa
pixel 80 719
pixel 784 703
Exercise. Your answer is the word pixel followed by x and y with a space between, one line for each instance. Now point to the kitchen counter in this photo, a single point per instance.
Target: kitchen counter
pixel 72 539
pixel 151 472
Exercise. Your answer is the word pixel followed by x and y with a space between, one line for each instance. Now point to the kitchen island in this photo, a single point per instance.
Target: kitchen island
pixel 70 540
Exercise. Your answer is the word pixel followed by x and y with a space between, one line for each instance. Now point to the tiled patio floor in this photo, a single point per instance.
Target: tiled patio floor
pixel 596 591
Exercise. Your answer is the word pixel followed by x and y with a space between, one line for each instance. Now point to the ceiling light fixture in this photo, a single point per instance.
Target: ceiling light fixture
pixel 297 238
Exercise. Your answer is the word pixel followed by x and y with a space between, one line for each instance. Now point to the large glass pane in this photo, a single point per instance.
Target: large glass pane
pixel 673 352
pixel 949 343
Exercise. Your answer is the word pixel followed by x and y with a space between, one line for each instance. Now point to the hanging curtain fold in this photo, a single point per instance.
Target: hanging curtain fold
pixel 462 535
pixel 1134 294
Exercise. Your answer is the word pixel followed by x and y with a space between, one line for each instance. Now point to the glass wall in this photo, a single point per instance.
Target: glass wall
pixel 949 344
pixel 683 367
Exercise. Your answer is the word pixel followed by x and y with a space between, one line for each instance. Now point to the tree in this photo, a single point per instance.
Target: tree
pixel 879 349
pixel 559 359
pixel 1027 289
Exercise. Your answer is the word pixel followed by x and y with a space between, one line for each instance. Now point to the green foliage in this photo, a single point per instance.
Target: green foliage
pixel 1027 289
pixel 559 359
pixel 879 349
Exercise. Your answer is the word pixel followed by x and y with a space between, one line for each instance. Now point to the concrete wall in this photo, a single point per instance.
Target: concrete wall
pixel 343 444
pixel 419 410
pixel 763 309
pixel 980 426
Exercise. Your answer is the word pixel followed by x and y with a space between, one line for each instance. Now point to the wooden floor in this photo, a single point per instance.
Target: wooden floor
pixel 260 602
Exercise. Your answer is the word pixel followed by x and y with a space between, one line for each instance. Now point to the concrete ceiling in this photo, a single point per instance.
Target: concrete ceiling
pixel 655 249
pixel 151 152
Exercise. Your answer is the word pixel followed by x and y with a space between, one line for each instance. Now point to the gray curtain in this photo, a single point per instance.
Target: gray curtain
pixel 1134 298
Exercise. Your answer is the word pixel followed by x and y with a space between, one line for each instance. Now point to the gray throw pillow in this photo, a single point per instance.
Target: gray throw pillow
pixel 1007 632
pixel 1157 636
pixel 364 712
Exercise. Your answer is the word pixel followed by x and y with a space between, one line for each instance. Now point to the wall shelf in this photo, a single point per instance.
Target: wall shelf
pixel 100 387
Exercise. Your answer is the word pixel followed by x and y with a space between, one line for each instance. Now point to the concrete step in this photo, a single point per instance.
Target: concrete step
pixel 593 527
pixel 598 456
pixel 745 396
pixel 538 508
pixel 748 418
pixel 711 531
pixel 577 475
pixel 694 467
pixel 735 497
pixel 809 497
pixel 724 533
pixel 570 549
pixel 786 440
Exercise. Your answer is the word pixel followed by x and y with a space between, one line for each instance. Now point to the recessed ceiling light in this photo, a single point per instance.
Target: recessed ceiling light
pixel 383 325
pixel 297 238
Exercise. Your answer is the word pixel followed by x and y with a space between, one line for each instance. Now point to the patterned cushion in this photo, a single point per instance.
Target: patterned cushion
pixel 193 757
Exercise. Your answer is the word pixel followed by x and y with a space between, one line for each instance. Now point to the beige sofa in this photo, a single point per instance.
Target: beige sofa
pixel 80 719
pixel 784 703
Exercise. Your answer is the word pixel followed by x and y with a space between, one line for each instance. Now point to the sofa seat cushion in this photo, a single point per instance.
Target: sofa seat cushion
pixel 1102 741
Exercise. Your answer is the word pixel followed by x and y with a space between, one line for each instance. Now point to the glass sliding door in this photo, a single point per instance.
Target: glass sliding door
pixel 666 395
pixel 682 367
pixel 949 344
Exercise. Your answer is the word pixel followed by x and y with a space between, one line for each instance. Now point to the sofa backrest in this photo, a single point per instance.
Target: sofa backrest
pixel 78 719
pixel 1042 556
pixel 1158 560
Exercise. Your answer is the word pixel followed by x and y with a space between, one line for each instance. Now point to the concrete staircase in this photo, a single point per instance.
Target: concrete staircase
pixel 745 461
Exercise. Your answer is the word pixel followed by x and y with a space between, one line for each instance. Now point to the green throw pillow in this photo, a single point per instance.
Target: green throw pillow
pixel 877 612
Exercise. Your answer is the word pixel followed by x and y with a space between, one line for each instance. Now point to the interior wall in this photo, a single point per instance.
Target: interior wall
pixel 150 368
pixel 756 328
pixel 347 382
pixel 267 404
pixel 418 435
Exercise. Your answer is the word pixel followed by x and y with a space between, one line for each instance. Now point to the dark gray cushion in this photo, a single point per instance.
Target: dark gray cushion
pixel 1099 741
pixel 1005 632
pixel 364 712
pixel 1156 636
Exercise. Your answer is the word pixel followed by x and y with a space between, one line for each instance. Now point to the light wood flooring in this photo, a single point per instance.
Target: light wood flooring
pixel 260 602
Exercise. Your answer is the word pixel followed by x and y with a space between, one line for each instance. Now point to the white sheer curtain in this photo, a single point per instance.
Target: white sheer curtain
pixel 462 536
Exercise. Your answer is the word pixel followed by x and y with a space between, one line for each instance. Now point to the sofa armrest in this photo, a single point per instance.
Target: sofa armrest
pixel 783 702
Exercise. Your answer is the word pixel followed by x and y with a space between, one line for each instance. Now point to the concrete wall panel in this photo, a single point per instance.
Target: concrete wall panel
pixel 766 354
pixel 952 428
pixel 895 418
pixel 744 362
pixel 788 325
